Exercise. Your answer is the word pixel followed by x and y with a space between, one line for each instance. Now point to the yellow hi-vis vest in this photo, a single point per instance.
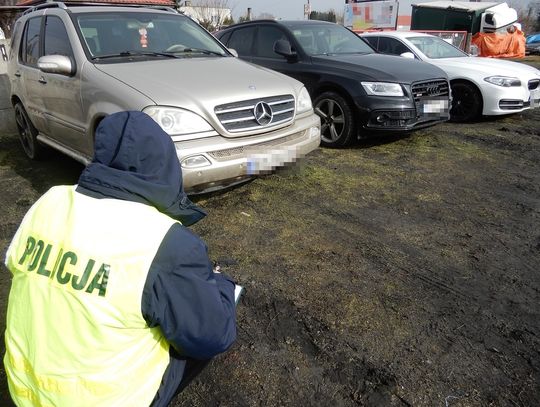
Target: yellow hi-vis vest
pixel 75 334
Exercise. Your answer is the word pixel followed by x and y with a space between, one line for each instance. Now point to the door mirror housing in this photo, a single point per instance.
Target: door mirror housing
pixel 58 64
pixel 233 51
pixel 474 51
pixel 409 55
pixel 283 47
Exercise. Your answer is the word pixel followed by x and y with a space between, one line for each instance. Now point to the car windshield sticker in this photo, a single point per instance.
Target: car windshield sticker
pixel 144 37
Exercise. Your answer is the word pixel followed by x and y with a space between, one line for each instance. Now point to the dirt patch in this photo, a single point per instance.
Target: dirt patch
pixel 398 272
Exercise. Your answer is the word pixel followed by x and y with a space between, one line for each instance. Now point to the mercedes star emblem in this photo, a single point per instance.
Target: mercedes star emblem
pixel 263 113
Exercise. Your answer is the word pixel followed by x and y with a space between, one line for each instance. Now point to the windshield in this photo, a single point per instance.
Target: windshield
pixel 325 39
pixel 436 48
pixel 121 34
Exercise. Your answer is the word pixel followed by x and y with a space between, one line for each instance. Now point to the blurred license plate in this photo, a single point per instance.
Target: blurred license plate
pixel 268 161
pixel 434 106
pixel 535 98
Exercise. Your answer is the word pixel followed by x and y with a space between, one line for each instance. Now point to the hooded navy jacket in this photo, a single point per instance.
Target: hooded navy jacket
pixel 135 160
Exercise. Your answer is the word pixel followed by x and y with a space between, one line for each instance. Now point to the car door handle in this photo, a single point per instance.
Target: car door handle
pixel 17 74
pixel 42 80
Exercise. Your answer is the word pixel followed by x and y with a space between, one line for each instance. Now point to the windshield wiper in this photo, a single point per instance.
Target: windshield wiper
pixel 202 51
pixel 347 53
pixel 136 53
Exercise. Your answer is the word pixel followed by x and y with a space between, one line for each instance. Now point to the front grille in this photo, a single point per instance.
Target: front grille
pixel 240 116
pixel 533 84
pixel 431 99
pixel 430 89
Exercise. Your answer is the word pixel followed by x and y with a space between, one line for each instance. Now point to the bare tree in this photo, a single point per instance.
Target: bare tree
pixel 8 17
pixel 211 14
pixel 529 20
pixel 528 14
pixel 518 5
pixel 339 17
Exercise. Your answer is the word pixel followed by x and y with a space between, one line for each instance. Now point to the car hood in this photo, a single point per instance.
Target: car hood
pixel 378 67
pixel 200 84
pixel 487 66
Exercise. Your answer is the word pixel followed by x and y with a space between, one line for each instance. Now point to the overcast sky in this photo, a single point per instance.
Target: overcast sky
pixel 294 9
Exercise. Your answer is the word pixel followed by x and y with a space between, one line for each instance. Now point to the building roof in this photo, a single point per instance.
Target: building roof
pixel 170 3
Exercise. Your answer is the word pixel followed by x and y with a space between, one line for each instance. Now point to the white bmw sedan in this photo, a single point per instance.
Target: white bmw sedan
pixel 480 86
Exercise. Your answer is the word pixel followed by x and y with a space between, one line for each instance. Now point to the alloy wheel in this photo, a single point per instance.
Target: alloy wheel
pixel 332 120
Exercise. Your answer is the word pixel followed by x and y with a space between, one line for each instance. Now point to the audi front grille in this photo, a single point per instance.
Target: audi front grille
pixel 430 89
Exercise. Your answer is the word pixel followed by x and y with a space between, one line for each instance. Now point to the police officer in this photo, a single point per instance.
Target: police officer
pixel 111 294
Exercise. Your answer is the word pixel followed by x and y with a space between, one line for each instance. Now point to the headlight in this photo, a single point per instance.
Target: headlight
pixel 383 88
pixel 304 101
pixel 505 81
pixel 177 121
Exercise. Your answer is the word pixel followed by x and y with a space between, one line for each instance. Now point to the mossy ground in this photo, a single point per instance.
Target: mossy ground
pixel 401 271
pixel 394 272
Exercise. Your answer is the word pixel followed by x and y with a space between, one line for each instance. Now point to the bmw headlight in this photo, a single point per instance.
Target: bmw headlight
pixel 304 101
pixel 505 81
pixel 177 121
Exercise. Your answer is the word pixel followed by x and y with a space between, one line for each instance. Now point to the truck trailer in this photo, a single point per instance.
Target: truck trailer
pixel 464 16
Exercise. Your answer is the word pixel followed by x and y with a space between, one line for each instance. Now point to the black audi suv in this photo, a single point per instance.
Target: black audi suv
pixel 355 90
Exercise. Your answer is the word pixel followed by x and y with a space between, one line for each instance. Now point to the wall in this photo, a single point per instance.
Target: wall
pixel 7 117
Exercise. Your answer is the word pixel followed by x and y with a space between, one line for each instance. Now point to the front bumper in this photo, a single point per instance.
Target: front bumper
pixel 235 160
pixel 424 103
pixel 404 116
pixel 500 100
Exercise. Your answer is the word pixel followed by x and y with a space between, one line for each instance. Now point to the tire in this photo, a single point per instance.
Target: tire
pixel 466 102
pixel 27 134
pixel 337 119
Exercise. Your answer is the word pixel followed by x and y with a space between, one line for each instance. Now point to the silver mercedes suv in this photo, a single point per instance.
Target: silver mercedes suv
pixel 70 66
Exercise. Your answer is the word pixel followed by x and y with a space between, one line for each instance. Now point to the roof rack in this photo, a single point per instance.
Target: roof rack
pixel 64 5
pixel 155 7
pixel 47 4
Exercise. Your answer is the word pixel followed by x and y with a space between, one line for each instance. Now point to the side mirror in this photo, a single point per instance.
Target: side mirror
pixel 233 51
pixel 59 64
pixel 474 51
pixel 409 55
pixel 283 47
